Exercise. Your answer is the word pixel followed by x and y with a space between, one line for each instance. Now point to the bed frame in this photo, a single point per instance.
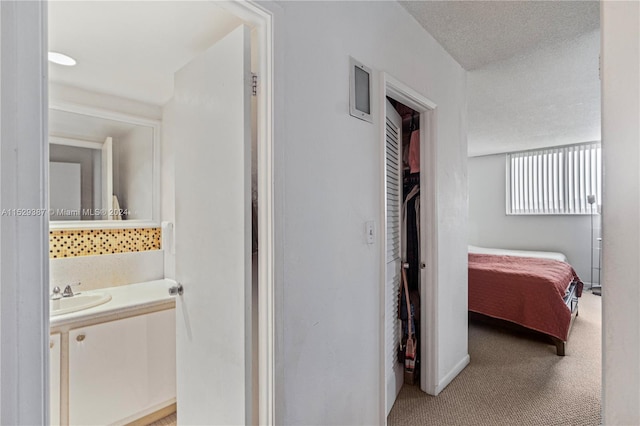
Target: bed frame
pixel 570 299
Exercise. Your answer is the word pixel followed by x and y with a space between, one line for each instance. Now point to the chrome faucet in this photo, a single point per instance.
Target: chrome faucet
pixel 55 295
pixel 68 291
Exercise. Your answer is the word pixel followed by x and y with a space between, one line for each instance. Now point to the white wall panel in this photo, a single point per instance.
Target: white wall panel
pixel 621 212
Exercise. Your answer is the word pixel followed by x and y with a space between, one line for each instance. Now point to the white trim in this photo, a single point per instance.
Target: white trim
pixel 2 254
pixel 106 114
pixel 70 225
pixel 389 86
pixel 448 378
pixel 78 143
pixel 262 19
pixel 24 252
pixel 429 217
pixel 507 198
pixel 148 411
pixel 382 371
pixel 403 93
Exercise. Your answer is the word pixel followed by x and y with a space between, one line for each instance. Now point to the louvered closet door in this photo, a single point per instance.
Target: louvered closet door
pixel 393 190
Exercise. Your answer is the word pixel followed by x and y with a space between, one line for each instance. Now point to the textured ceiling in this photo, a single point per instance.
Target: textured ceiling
pixel 533 69
pixel 541 98
pixel 477 33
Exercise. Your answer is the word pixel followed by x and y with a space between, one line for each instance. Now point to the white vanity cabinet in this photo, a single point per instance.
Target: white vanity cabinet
pixel 122 370
pixel 54 378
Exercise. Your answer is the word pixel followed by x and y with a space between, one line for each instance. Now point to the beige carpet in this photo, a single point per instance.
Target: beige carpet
pixel 517 380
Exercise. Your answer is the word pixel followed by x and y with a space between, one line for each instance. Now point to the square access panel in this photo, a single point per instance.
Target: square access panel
pixel 360 90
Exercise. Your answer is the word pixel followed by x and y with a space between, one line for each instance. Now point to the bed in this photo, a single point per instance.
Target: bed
pixel 535 290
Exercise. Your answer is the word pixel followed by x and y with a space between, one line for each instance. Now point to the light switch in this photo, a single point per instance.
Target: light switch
pixel 370 231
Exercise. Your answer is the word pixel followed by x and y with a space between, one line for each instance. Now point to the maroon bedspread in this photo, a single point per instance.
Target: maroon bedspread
pixel 525 290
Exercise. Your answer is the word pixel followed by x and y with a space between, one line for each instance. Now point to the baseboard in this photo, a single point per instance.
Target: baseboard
pixel 589 286
pixel 152 414
pixel 448 378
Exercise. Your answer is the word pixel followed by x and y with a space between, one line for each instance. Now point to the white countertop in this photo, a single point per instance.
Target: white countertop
pixel 124 300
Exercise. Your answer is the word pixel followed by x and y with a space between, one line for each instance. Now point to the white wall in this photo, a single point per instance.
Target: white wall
pixel 621 215
pixel 489 226
pixel 330 167
pixel 107 270
pixel 135 173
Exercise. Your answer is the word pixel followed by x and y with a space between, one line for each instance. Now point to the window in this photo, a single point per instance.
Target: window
pixel 555 180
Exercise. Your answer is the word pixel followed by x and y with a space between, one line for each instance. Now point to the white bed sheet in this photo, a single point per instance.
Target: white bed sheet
pixel 522 253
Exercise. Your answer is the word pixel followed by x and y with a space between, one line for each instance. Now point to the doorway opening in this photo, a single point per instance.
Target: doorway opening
pixel 211 156
pixel 410 249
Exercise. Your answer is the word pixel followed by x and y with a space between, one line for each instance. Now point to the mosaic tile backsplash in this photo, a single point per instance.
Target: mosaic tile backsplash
pixel 92 242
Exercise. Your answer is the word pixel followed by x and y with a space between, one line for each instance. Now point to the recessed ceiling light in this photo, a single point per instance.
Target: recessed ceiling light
pixel 60 59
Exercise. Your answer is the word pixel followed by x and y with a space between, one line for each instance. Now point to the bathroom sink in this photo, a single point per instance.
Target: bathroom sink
pixel 77 302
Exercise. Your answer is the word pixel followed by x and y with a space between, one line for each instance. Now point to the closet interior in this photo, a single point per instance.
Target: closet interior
pixel 409 288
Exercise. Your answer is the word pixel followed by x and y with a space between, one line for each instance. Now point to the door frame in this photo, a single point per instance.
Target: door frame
pixel 24 252
pixel 262 20
pixel 395 89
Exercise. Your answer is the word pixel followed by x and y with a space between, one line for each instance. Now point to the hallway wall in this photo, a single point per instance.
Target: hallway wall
pixel 329 168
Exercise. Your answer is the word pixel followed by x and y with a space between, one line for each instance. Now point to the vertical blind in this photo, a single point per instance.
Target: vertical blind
pixel 555 180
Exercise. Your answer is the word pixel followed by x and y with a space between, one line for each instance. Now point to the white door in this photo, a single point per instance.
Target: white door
pixel 213 230
pixel 393 190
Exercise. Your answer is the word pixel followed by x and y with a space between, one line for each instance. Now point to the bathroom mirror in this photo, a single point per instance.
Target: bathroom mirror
pixel 103 169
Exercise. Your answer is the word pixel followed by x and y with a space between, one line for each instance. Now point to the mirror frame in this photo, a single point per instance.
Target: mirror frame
pixel 155 125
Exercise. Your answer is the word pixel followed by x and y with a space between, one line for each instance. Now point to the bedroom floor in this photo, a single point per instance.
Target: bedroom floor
pixel 517 380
